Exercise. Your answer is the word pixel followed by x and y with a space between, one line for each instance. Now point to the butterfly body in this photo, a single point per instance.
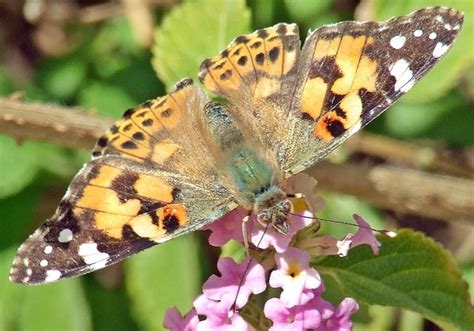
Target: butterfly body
pixel 176 163
pixel 253 179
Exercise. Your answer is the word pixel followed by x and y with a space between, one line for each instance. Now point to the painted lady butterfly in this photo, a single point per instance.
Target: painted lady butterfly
pixel 176 163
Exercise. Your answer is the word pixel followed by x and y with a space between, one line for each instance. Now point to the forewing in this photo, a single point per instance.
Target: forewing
pixel 351 72
pixel 257 74
pixel 138 191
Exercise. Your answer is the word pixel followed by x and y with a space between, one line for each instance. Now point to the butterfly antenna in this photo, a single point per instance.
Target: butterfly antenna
pixel 247 267
pixel 384 232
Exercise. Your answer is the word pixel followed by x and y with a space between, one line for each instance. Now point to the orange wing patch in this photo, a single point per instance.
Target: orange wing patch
pixel 144 131
pixel 115 197
pixel 338 72
pixel 255 62
pixel 160 222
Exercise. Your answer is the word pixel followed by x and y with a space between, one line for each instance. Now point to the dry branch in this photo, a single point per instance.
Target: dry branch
pixel 401 189
pixel 64 126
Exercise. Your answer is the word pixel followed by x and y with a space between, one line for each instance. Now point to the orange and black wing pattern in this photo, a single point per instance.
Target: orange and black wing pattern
pixel 350 72
pixel 142 187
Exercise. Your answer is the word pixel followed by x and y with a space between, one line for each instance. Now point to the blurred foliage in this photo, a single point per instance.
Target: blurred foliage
pixel 411 271
pixel 105 70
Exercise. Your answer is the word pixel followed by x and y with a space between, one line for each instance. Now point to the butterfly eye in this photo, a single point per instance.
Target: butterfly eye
pixel 263 218
pixel 286 206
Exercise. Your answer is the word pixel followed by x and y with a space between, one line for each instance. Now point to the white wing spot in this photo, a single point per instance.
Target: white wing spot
pixel 456 27
pixel 26 262
pixel 65 236
pixel 91 254
pixel 440 49
pixel 48 249
pixel 25 279
pixel 403 75
pixel 43 263
pixel 432 35
pixel 418 33
pixel 448 27
pixel 439 19
pixel 397 42
pixel 29 272
pixel 52 275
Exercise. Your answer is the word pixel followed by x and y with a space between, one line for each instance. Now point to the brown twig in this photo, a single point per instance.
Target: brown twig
pixel 401 189
pixel 64 126
pixel 411 154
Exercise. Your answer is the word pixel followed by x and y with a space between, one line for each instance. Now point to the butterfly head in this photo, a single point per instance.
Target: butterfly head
pixel 272 208
pixel 277 216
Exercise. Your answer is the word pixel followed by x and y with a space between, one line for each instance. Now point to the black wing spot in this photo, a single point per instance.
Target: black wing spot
pixel 167 112
pixel 138 136
pixel 226 75
pixel 102 142
pixel 262 33
pixel 256 44
pixel 148 122
pixel 129 145
pixel 242 60
pixel 273 54
pixel 335 127
pixel 259 58
pixel 170 223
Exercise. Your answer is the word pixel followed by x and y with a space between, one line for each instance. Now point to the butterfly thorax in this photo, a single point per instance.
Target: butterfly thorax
pixel 250 173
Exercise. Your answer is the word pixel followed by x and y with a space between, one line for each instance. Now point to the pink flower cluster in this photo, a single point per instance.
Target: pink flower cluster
pixel 299 305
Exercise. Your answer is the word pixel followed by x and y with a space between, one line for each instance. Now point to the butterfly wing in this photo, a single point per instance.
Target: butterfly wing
pixel 303 104
pixel 151 179
pixel 257 73
pixel 351 72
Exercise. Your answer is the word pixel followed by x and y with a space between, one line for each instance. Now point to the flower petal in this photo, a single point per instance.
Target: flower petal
pixel 230 282
pixel 175 322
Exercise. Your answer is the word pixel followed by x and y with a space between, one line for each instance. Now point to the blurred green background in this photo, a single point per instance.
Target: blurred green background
pixel 108 56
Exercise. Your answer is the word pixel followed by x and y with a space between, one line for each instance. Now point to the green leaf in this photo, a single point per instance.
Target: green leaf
pixel 17 212
pixel 307 10
pixel 113 48
pixel 62 77
pixel 11 295
pixel 18 166
pixel 264 12
pixel 164 277
pixel 410 120
pixel 107 99
pixel 448 71
pixel 411 272
pixel 58 306
pixel 139 80
pixel 194 31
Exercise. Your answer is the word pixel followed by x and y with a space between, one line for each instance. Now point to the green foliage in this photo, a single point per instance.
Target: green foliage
pixel 18 163
pixel 179 49
pixel 92 97
pixel 411 272
pixel 60 306
pixel 61 78
pixel 162 278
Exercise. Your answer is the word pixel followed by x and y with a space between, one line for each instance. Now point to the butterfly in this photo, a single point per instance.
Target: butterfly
pixel 176 163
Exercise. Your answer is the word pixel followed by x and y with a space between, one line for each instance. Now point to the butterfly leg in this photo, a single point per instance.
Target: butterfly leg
pixel 245 233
